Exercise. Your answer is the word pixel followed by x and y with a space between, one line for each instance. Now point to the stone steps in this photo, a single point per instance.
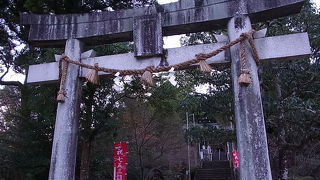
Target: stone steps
pixel 217 170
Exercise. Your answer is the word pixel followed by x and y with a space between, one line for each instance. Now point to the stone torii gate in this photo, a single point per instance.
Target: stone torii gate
pixel 146 26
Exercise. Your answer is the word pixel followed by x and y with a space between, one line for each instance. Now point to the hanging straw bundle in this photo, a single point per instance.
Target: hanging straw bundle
pixel 146 77
pixel 64 70
pixel 205 67
pixel 92 76
pixel 245 77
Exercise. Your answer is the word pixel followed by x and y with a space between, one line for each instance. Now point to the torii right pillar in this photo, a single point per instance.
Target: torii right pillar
pixel 250 125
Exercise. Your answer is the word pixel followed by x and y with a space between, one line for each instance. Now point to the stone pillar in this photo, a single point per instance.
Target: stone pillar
pixel 64 148
pixel 250 125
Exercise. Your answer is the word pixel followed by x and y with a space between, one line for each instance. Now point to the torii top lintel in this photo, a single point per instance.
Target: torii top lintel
pixel 180 17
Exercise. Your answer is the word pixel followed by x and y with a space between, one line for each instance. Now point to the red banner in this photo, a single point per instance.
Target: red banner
pixel 235 159
pixel 120 152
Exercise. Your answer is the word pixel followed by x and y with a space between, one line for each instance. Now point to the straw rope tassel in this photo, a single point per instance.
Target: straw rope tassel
pixel 146 77
pixel 64 70
pixel 245 77
pixel 204 66
pixel 92 76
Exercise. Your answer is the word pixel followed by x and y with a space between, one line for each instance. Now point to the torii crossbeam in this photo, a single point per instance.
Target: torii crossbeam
pixel 180 17
pixel 269 48
pixel 145 26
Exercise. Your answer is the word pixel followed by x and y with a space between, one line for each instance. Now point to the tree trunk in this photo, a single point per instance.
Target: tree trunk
pixel 283 164
pixel 141 165
pixel 85 158
pixel 283 161
pixel 88 133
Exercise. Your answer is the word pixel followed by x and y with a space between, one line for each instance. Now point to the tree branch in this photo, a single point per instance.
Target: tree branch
pixel 11 83
pixel 5 73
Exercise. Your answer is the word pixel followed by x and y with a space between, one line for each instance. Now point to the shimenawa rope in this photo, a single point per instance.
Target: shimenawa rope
pixel 244 78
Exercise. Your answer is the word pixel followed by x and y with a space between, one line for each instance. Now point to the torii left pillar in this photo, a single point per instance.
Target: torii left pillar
pixel 64 148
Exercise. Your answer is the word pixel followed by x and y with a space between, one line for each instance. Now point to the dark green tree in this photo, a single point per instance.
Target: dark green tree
pixel 29 120
pixel 291 93
pixel 152 126
pixel 289 90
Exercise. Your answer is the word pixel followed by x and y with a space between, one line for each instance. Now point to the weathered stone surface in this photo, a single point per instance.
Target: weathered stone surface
pixel 177 18
pixel 147 35
pixel 250 125
pixel 64 147
pixel 36 72
pixel 270 48
pixel 88 54
pixel 260 34
pixel 84 55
